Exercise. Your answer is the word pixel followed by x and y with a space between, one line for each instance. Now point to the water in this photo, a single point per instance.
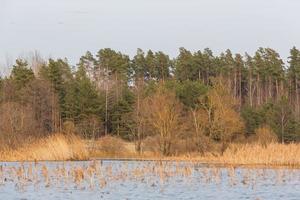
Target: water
pixel 144 180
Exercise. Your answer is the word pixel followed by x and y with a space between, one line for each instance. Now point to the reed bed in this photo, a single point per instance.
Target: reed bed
pixel 71 147
pixel 96 175
pixel 273 154
pixel 54 147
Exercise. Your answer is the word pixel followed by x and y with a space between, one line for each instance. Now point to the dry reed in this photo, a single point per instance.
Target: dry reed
pixel 54 147
pixel 273 154
pixel 71 147
pixel 94 174
pixel 254 154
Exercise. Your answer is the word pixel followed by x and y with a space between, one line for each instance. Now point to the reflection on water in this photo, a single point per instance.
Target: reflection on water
pixel 144 180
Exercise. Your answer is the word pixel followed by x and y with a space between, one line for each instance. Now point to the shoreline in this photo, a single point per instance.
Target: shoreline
pixel 194 161
pixel 65 148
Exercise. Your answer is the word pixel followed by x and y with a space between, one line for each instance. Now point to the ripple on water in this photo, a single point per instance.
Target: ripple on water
pixel 144 180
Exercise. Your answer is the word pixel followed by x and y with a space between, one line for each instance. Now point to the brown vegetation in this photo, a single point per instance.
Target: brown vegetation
pixel 265 135
pixel 255 153
pixel 109 146
pixel 55 147
pixel 95 175
pixel 62 147
pixel 163 113
pixel 216 120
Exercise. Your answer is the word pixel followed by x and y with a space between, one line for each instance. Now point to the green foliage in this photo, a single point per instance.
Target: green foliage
pixel 1 88
pixel 21 74
pixel 188 92
pixel 268 63
pixel 58 73
pixel 114 62
pixel 186 69
pixel 278 116
pixel 294 61
pixel 82 99
pixel 139 66
pixel 253 118
pixel 121 114
pixel 105 88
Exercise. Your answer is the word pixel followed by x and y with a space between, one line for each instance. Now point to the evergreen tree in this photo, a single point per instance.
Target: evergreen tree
pixel 114 62
pixel 83 105
pixel 90 65
pixel 293 78
pixel 21 74
pixel 150 66
pixel 121 114
pixel 110 89
pixel 240 78
pixel 185 66
pixel 58 73
pixel 89 102
pixel 139 66
pixel 163 66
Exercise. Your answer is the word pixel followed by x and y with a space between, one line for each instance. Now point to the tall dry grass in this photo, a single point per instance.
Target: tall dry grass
pixel 54 147
pixel 273 154
pixel 256 153
pixel 71 147
pixel 111 147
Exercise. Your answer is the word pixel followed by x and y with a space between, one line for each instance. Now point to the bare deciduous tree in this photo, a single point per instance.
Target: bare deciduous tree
pixel 163 113
pixel 223 121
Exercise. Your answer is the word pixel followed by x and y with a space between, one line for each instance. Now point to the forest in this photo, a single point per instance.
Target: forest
pixel 193 102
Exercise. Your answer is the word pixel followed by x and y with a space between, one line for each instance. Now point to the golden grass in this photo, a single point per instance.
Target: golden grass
pixel 251 155
pixel 71 147
pixel 273 154
pixel 111 147
pixel 54 147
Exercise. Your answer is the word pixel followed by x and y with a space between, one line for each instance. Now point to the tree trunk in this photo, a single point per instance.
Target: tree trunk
pixel 106 102
pixel 240 88
pixel 250 88
pixel 297 97
pixel 258 90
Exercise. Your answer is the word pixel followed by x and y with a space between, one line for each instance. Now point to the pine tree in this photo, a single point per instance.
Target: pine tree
pixel 21 74
pixel 293 78
pixel 90 65
pixel 83 105
pixel 163 66
pixel 150 65
pixel 239 78
pixel 58 73
pixel 120 113
pixel 185 68
pixel 139 66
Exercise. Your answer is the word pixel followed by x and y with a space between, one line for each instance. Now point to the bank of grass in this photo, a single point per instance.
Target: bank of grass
pixel 52 148
pixel 252 154
pixel 71 147
pixel 273 154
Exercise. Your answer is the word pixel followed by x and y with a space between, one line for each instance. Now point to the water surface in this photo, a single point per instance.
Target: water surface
pixel 144 180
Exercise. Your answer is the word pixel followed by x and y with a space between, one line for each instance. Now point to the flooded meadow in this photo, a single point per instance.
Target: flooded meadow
pixel 108 179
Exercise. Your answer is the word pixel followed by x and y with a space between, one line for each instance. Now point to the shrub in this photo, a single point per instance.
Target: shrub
pixel 55 147
pixel 265 135
pixel 110 146
pixel 69 127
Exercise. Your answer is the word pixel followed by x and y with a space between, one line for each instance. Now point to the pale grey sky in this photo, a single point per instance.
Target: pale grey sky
pixel 68 28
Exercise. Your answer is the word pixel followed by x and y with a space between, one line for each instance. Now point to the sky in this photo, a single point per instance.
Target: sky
pixel 68 28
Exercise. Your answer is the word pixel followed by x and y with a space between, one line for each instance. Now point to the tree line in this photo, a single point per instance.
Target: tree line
pixel 197 97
